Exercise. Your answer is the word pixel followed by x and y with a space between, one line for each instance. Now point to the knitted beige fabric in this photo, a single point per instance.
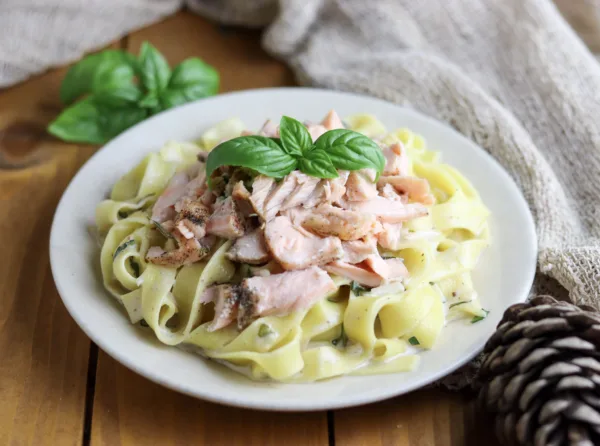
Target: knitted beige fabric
pixel 511 75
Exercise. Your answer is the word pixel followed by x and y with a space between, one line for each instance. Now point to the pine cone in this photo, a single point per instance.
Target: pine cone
pixel 541 374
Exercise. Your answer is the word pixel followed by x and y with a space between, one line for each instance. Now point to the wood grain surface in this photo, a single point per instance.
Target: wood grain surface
pixel 44 354
pixel 48 395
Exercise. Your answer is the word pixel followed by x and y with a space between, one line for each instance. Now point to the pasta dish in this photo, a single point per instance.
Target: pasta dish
pixel 300 252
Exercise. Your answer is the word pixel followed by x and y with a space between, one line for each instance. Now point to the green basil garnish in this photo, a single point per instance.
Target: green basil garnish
pixel 295 138
pixel 277 157
pixel 123 90
pixel 479 318
pixel 258 153
pixel 122 247
pixel 413 341
pixel 350 150
pixel 264 330
pixel 316 163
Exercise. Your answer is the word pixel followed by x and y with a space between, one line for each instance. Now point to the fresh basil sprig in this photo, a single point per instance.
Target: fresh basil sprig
pixel 276 157
pixel 121 90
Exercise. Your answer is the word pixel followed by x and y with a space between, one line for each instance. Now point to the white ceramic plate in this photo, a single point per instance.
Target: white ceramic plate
pixel 503 277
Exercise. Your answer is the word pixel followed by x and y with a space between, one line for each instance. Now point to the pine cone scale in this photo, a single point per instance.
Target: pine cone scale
pixel 541 375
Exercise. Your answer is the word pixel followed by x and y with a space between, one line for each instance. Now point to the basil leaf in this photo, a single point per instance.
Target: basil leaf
pixel 350 150
pixel 89 121
pixel 154 69
pixel 254 152
pixel 104 71
pixel 120 96
pixel 316 163
pixel 192 79
pixel 295 138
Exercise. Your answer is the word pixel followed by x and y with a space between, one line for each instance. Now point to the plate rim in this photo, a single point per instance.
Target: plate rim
pixel 292 406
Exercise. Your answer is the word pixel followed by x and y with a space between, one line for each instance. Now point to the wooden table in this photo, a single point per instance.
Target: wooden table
pixel 58 388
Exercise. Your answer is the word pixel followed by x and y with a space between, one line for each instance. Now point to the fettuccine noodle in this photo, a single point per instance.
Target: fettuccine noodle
pixel 350 331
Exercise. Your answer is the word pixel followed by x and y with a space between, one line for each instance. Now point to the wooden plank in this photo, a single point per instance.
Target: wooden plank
pixel 428 417
pixel 44 354
pixel 129 409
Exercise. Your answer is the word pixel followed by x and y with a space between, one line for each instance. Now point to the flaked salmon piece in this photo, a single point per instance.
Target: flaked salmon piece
pixel 396 160
pixel 295 248
pixel 226 220
pixel 191 219
pixel 387 269
pixel 195 188
pixel 354 272
pixel 315 130
pixel 317 196
pixel 240 192
pixel 305 185
pixel 269 129
pixel 416 188
pixel 360 186
pixel 163 209
pixel 336 187
pixel 391 236
pixel 281 294
pixel 347 225
pixel 388 211
pixel 250 248
pixel 261 189
pixel 332 121
pixel 207 198
pixel 226 299
pixel 297 215
pixel 388 191
pixel 328 191
pixel 242 198
pixel 397 269
pixel 279 194
pixel 355 251
pixel 188 251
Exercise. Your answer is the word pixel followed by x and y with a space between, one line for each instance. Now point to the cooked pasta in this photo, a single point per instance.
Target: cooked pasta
pixel 353 327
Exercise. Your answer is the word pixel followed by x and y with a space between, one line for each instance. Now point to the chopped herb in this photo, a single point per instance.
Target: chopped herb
pixel 162 230
pixel 411 230
pixel 432 283
pixel 479 318
pixel 342 340
pixel 122 247
pixel 413 341
pixel 123 214
pixel 357 289
pixel 459 303
pixel 264 330
pixel 245 270
pixel 135 267
pixel 143 323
